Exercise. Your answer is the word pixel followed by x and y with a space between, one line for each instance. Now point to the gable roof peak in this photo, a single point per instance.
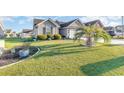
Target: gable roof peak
pixel 37 21
pixel 94 22
pixel 65 24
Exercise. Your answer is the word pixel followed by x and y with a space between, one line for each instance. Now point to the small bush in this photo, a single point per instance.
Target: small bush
pixel 57 36
pixel 42 37
pixel 50 37
pixel 29 39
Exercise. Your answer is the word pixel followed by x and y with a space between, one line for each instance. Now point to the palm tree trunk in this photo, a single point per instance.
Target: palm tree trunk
pixel 89 41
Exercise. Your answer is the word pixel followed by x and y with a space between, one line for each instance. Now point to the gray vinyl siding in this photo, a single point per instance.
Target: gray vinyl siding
pixel 46 25
pixel 66 31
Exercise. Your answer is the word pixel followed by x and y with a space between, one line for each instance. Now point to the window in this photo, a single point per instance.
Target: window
pixel 49 29
pixel 44 30
pixel 36 27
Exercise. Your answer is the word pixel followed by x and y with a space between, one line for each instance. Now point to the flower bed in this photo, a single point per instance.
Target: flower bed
pixel 8 57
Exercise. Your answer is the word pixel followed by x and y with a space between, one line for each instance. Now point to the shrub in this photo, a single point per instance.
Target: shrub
pixel 29 39
pixel 57 36
pixel 42 37
pixel 50 37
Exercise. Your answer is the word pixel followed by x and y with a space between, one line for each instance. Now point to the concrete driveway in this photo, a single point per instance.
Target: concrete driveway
pixel 114 41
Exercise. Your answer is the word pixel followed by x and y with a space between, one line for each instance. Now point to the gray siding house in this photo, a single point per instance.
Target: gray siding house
pixel 68 29
pixel 26 33
pixel 97 23
pixel 45 27
pixel 1 31
pixel 117 30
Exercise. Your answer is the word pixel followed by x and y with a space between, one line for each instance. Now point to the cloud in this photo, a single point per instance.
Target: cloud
pixel 106 20
pixel 7 18
pixel 29 18
pixel 113 24
pixel 57 17
pixel 21 22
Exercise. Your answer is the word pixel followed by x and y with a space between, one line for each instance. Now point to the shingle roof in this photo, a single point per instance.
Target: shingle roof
pixel 108 28
pixel 59 22
pixel 65 24
pixel 54 22
pixel 26 30
pixel 93 23
pixel 37 21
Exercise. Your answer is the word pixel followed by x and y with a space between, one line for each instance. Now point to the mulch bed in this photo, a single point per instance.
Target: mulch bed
pixel 8 58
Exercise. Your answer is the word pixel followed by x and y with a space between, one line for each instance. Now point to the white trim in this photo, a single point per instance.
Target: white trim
pixel 74 21
pixel 50 21
pixel 1 26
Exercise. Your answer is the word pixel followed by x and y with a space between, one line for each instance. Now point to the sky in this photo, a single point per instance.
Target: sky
pixel 17 23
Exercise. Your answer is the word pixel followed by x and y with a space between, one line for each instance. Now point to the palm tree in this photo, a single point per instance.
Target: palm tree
pixel 92 34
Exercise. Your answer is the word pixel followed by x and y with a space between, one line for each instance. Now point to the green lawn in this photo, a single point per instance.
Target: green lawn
pixel 66 58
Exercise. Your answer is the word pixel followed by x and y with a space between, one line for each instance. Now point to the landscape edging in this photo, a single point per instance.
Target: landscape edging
pixel 21 60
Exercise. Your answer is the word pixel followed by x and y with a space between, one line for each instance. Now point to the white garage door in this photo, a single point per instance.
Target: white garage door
pixel 72 33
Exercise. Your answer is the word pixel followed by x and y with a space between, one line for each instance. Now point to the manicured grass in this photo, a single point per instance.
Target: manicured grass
pixel 64 57
pixel 11 42
pixel 103 66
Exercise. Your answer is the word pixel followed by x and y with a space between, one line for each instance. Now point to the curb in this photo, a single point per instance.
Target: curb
pixel 21 60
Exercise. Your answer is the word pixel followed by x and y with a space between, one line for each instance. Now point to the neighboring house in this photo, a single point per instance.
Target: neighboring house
pixel 26 33
pixel 119 30
pixel 68 29
pixel 1 31
pixel 48 26
pixel 8 33
pixel 111 30
pixel 97 23
pixel 14 34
